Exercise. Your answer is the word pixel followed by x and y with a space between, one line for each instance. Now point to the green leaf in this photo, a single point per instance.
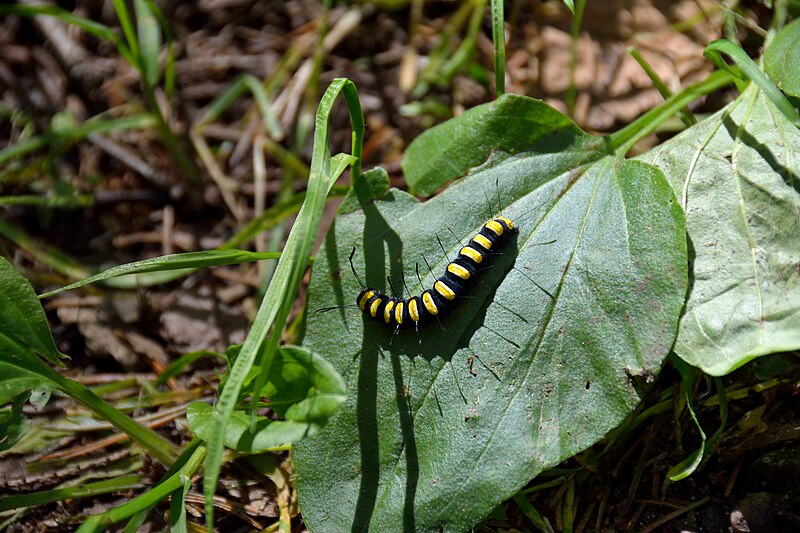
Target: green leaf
pixel 302 387
pixel 510 125
pixel 23 327
pixel 736 174
pixel 782 59
pixel 13 422
pixel 440 428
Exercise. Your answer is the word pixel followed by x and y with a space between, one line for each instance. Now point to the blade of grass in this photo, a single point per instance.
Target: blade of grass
pixel 148 32
pixel 47 255
pixel 271 122
pixel 466 49
pixel 189 260
pixel 169 67
pixel 190 462
pixel 575 33
pixel 531 513
pixel 685 115
pixel 98 124
pixel 750 69
pixel 79 200
pixel 498 37
pixel 126 22
pixel 622 140
pixel 130 482
pixel 275 306
pixel 91 27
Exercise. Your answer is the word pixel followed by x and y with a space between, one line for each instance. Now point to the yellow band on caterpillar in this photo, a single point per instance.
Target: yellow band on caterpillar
pixel 472 253
pixel 444 290
pixel 485 243
pixel 398 313
pixel 373 309
pixel 413 312
pixel 362 303
pixel 507 221
pixel 496 227
pixel 458 270
pixel 387 311
pixel 430 305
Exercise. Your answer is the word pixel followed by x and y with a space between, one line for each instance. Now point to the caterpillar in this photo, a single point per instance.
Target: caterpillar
pixel 447 291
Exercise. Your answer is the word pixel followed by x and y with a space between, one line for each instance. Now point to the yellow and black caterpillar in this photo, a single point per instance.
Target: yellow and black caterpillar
pixel 448 291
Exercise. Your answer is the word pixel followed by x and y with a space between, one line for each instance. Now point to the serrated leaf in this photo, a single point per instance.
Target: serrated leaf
pixel 736 174
pixel 782 59
pixel 536 366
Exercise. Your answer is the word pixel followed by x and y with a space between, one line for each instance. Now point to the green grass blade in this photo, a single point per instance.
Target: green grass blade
pixel 91 27
pixel 575 30
pixel 272 216
pixel 172 482
pixel 622 140
pixel 169 67
pixel 48 255
pixel 685 115
pixel 128 30
pixel 271 122
pixel 281 292
pixel 190 260
pixel 498 36
pixel 750 69
pixel 78 200
pixel 97 124
pixel 130 482
pixel 149 35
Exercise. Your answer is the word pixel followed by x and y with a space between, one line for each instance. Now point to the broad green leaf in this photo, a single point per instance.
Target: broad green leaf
pixel 782 59
pixel 302 387
pixel 736 175
pixel 509 125
pixel 536 366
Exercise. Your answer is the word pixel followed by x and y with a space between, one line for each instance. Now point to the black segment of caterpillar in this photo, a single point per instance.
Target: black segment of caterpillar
pixel 447 291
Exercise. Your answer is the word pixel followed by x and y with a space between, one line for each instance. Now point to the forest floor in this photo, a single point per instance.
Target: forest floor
pixel 142 204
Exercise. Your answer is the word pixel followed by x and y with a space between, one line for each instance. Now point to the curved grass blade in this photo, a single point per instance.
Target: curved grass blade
pixel 714 53
pixel 277 302
pixel 189 261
